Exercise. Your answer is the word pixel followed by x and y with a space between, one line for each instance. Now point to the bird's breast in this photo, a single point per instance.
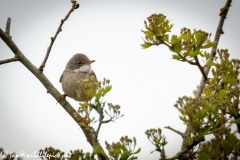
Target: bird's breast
pixel 69 83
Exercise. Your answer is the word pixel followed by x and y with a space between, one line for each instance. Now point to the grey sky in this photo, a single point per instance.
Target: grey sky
pixel 146 83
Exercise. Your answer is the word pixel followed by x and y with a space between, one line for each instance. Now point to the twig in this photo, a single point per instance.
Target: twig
pixel 109 120
pixel 201 69
pixel 218 33
pixel 176 131
pixel 9 60
pixel 7 31
pixel 74 6
pixel 101 117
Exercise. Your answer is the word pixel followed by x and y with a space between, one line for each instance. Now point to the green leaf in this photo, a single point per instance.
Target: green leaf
pixel 116 152
pixel 84 105
pixel 210 63
pixel 98 150
pixel 174 40
pixel 207 55
pixel 183 36
pixel 222 94
pixel 213 110
pixel 125 154
pixel 176 56
pixel 107 89
pixel 209 45
pixel 232 80
pixel 207 131
pixel 227 147
pixel 193 53
pixel 237 121
pixel 106 113
pixel 203 156
pixel 145 45
pixel 232 138
pixel 176 48
pixel 183 118
pixel 98 95
pixel 198 37
pixel 207 92
pixel 204 113
pixel 139 150
pixel 149 34
pixel 165 37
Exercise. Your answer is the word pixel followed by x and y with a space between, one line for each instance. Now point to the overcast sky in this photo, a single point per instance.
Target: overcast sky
pixel 146 83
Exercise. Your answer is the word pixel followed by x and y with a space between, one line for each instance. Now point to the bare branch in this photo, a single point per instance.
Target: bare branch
pixel 176 131
pixel 74 6
pixel 9 60
pixel 7 31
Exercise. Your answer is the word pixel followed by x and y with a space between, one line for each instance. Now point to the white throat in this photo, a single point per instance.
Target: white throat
pixel 85 68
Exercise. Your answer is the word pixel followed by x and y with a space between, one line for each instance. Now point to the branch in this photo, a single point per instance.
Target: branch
pixel 206 69
pixel 101 116
pixel 176 131
pixel 201 69
pixel 7 31
pixel 9 60
pixel 88 131
pixel 180 154
pixel 74 6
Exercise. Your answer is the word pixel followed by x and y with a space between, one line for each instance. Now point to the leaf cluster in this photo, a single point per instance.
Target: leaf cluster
pixel 123 149
pixel 188 47
pixel 157 139
pixel 215 111
pixel 97 103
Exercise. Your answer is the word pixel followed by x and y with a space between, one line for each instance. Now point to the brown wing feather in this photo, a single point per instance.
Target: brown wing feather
pixel 60 80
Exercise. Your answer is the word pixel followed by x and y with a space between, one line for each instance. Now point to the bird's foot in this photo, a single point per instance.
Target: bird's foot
pixel 62 97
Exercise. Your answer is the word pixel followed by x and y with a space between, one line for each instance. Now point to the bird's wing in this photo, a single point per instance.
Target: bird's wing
pixel 60 80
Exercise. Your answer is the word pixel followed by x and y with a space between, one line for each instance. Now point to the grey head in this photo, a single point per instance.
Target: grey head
pixel 79 63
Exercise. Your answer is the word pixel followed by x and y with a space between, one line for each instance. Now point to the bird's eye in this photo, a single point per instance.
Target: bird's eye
pixel 79 63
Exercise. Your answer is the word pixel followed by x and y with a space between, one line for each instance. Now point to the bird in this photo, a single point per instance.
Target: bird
pixel 78 68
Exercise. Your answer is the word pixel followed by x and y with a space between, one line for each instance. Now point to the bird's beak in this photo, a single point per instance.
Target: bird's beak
pixel 91 61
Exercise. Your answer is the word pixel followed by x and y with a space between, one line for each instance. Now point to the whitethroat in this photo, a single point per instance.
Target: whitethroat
pixel 77 69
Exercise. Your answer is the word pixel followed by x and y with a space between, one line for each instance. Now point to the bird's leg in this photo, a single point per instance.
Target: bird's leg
pixel 62 97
